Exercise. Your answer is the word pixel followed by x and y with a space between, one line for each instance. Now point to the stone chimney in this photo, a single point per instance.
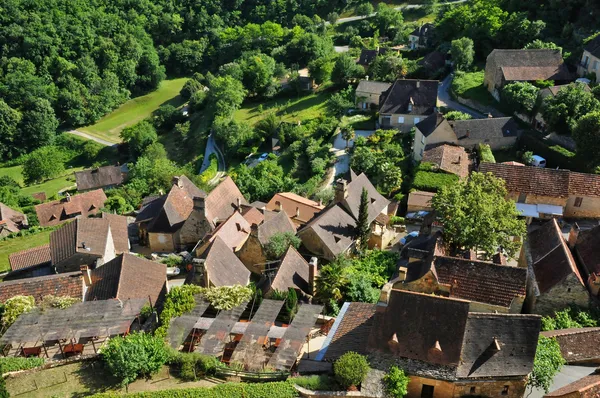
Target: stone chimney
pixel 341 190
pixel 239 204
pixel 313 272
pixel 177 181
pixel 594 284
pixel 200 205
pixel 418 83
pixel 402 273
pixel 87 275
pixel 573 235
pixel 499 259
pixel 254 230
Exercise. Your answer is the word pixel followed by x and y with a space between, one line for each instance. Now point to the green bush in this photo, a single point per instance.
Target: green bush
pixel 194 365
pixel 432 182
pixel 351 369
pixel 10 364
pixel 316 382
pixel 281 389
pixel 396 382
pixel 485 153
pixel 563 151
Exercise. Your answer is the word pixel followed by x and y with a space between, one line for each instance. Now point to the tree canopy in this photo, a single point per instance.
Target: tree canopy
pixel 547 363
pixel 563 110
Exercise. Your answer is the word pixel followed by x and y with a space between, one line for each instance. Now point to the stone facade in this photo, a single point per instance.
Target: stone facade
pixel 587 207
pixel 252 254
pixel 398 121
pixel 194 228
pixel 315 245
pixel 568 292
pixel 589 64
pixel 438 137
pixel 161 242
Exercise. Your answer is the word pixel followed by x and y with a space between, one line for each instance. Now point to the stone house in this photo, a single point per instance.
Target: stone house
pixel 586 387
pixel 578 346
pixel 58 211
pixel 100 177
pixel 368 92
pixel 292 271
pixel 450 159
pixel 554 279
pixel 590 59
pixel 419 201
pixel 11 221
pixel 299 209
pixel 448 352
pixel 406 103
pixel 586 248
pixel 234 232
pixel 497 132
pixel 507 66
pixel 550 192
pixel 68 284
pixel 367 56
pixel 219 266
pixel 421 36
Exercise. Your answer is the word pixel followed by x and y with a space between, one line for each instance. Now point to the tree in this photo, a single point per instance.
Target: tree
pixel 388 68
pixel 320 69
pixel 15 306
pixel 339 103
pixel 226 94
pixel 138 137
pixel 360 288
pixel 308 47
pixel 587 136
pixel 350 369
pixel 538 44
pixel 91 150
pixel 291 303
pixel 331 283
pixel 117 204
pixel 363 160
pixel 457 115
pixel 396 382
pixel 9 126
pixel 462 53
pixel 43 164
pixel 258 71
pixel 476 215
pixel 431 6
pixel 521 97
pixel 517 30
pixel 38 126
pixel 364 9
pixel 279 243
pixel 547 363
pixel 363 227
pixel 332 17
pixel 345 69
pixel 135 355
pixel 387 19
pixel 189 88
pixel 166 117
pixel 347 134
pixel 528 158
pixel 562 111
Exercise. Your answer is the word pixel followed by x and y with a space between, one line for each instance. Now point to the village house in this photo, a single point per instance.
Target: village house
pixel 333 231
pixel 11 221
pixel 507 66
pixel 291 272
pixel 101 177
pixel 554 280
pixel 586 387
pixel 367 56
pixel 545 193
pixel 497 132
pixel 56 212
pixel 446 350
pixel 434 62
pixel 29 263
pixel 234 232
pixel 448 158
pixel 419 201
pixel 299 209
pixel 406 103
pixel 368 92
pixel 590 59
pixel 578 346
pixel 421 36
pixel 219 266
pixel 68 284
pixel 88 241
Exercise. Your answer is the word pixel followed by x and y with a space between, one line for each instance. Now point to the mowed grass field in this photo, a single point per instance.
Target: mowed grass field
pixel 51 187
pixel 136 109
pixel 10 246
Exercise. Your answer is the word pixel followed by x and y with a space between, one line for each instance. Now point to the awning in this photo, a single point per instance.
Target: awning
pixel 550 209
pixel 528 210
pixel 531 210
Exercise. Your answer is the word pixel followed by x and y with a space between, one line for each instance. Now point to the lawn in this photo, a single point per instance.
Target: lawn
pixel 10 246
pixel 136 109
pixel 470 86
pixel 51 187
pixel 289 109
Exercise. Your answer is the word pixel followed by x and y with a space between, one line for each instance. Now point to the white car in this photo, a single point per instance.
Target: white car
pixel 173 271
pixel 262 157
pixel 410 236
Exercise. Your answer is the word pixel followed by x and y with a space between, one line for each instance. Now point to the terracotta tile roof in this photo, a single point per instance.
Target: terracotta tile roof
pixel 67 284
pixel 295 206
pixel 99 177
pixel 276 224
pixel 222 201
pixel 377 203
pixel 11 219
pixel 593 47
pixel 292 272
pixel 234 231
pixel 420 199
pixel 128 276
pixel 118 228
pixel 334 227
pixel 175 209
pixel 588 386
pixel 253 215
pixel 449 158
pixel 58 211
pixel 420 94
pixel 481 281
pixel 527 65
pixel 530 180
pixel 353 330
pixel 551 258
pixel 84 235
pixel 223 267
pixel 577 345
pixel 30 258
pixel 581 184
pixel 587 248
pixel 513 163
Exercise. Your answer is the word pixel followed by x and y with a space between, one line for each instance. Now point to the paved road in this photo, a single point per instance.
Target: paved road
pixel 444 99
pixel 91 137
pixel 211 147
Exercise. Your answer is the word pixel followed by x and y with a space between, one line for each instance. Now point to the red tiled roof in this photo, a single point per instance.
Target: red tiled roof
pixel 449 158
pixel 352 332
pixel 420 199
pixel 234 231
pixel 68 284
pixel 58 211
pixel 577 344
pixel 30 257
pixel 294 204
pixel 11 219
pixel 222 201
pixel 253 215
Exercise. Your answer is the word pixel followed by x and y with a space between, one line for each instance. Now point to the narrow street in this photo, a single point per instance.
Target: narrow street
pixel 444 99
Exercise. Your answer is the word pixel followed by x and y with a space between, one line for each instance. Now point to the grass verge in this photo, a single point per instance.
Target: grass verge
pixel 470 86
pixel 50 187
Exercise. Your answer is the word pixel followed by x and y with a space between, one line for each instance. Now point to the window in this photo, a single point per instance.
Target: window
pixel 472 391
pixel 410 107
pixel 595 65
pixel 505 390
pixel 422 139
pixel 401 119
pixel 417 120
pixel 586 61
pixel 522 197
pixel 578 202
pixel 427 391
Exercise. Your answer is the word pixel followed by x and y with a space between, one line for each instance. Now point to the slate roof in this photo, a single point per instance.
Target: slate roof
pixel 577 345
pixel 377 203
pixel 128 276
pixel 67 284
pixel 449 158
pixel 352 332
pixel 11 219
pixel 422 94
pixel 222 201
pixel 99 177
pixel 587 386
pixel 372 86
pixel 433 61
pixel 335 228
pixel 28 258
pixel 367 56
pixel 292 272
pixel 420 199
pixel 119 230
pixel 485 129
pixel 434 122
pixel 528 65
pixel 253 215
pixel 593 47
pixel 293 204
pixel 588 249
pixel 58 211
pixel 551 258
pixel 223 266
pixel 423 30
pixel 275 224
pixel 234 231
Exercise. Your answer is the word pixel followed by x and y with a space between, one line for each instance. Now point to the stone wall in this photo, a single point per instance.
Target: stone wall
pixel 490 388
pixel 589 207
pixel 252 254
pixel 568 292
pixel 160 242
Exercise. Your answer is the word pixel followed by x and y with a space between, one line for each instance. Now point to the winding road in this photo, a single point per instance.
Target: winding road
pixel 212 147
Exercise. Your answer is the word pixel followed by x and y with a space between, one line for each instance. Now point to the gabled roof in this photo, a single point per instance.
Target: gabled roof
pixel 420 94
pixel 253 215
pixel 587 386
pixel 367 56
pixel 58 211
pixel 68 284
pixel 420 199
pixel 593 47
pixel 234 231
pixel 372 87
pixel 99 177
pixel 118 228
pixel 423 30
pixel 222 201
pixel 334 227
pixel 434 122
pixel 294 204
pixel 485 129
pixel 11 219
pixel 588 249
pixel 354 324
pixel 577 345
pixel 377 203
pixel 128 276
pixel 28 258
pixel 223 266
pixel 551 258
pixel 449 158
pixel 292 272
pixel 277 224
pixel 528 65
pixel 433 61
pixel 530 180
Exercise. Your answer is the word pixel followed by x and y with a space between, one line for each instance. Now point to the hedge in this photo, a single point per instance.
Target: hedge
pixel 485 153
pixel 282 389
pixel 556 156
pixel 432 182
pixel 12 364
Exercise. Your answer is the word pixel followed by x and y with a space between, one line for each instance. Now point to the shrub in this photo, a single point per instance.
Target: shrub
pixel 179 300
pixel 61 302
pixel 194 364
pixel 15 306
pixel 396 382
pixel 351 369
pixel 279 243
pixel 316 382
pixel 485 153
pixel 10 364
pixel 432 182
pixel 563 151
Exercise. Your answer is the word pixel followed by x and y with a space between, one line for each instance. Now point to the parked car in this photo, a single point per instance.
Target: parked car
pixel 173 271
pixel 410 236
pixel 538 161
pixel 262 157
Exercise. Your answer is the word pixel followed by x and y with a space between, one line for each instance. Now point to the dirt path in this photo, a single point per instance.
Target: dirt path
pixel 91 137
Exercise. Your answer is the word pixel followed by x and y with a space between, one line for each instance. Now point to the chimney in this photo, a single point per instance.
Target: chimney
pixel 402 273
pixel 490 116
pixel 499 259
pixel 200 204
pixel 177 181
pixel 573 235
pixel 312 275
pixel 254 230
pixel 341 190
pixel 68 197
pixel 239 204
pixel 297 212
pixel 418 83
pixel 87 275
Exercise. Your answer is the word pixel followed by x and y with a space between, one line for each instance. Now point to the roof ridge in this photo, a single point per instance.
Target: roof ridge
pixel 502 315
